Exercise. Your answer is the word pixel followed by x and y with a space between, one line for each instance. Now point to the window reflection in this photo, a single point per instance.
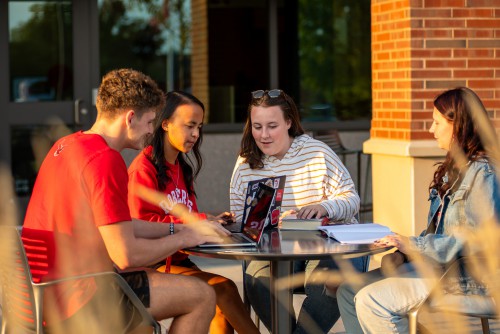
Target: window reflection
pixel 40 51
pixel 324 51
pixel 152 36
pixel 334 59
pixel 324 56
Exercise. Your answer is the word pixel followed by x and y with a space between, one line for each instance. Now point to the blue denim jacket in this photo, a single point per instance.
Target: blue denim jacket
pixel 476 199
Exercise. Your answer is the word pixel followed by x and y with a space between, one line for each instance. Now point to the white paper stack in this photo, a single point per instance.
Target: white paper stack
pixel 356 233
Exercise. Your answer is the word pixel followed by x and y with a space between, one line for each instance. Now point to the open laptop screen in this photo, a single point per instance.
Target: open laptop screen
pixel 276 182
pixel 261 204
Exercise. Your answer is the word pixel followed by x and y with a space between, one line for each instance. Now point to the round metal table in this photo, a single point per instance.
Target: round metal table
pixel 281 248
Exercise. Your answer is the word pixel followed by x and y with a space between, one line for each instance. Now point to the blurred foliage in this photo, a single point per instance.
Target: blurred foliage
pixel 48 24
pixel 29 54
pixel 334 48
pixel 131 42
pixel 132 33
pixel 335 57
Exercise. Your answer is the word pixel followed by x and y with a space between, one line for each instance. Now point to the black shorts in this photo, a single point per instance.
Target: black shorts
pixel 186 263
pixel 138 281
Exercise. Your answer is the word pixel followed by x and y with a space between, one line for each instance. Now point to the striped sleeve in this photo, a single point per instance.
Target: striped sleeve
pixel 342 201
pixel 237 190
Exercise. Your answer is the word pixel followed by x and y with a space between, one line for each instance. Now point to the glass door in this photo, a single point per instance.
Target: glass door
pixel 48 75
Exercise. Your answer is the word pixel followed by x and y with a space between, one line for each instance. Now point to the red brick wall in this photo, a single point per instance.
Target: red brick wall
pixel 423 47
pixel 199 58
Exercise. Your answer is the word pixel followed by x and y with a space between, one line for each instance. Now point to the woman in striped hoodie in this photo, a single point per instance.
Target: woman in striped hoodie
pixel 317 185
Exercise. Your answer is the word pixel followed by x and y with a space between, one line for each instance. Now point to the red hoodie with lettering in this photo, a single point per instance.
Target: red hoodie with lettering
pixel 143 172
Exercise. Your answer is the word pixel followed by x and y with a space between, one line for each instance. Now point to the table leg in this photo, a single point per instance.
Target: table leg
pixel 281 299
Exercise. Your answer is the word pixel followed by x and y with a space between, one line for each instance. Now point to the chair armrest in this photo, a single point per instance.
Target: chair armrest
pixel 38 289
pixel 127 290
pixel 452 269
pixel 74 278
pixel 449 270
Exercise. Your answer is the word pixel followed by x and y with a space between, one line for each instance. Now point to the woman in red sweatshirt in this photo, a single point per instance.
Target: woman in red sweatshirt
pixel 165 166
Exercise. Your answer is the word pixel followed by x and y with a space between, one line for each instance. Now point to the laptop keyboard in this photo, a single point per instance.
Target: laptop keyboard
pixel 235 238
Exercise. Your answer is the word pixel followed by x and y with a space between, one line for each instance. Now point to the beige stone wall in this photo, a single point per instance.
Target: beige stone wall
pixel 400 189
pixel 220 151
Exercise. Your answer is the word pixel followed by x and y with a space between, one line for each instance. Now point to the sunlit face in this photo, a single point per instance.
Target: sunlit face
pixel 442 130
pixel 182 129
pixel 140 128
pixel 270 130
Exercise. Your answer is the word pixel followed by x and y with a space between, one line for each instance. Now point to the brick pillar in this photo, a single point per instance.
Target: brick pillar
pixel 419 49
pixel 199 57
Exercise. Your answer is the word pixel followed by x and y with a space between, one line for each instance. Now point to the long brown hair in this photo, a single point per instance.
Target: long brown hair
pixel 249 149
pixel 190 170
pixel 455 106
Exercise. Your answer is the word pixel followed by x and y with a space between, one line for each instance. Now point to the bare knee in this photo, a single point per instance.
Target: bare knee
pixel 223 285
pixel 226 292
pixel 201 298
pixel 205 295
pixel 173 295
pixel 201 285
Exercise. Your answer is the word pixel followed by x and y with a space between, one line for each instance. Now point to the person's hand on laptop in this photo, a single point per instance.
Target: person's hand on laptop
pixel 226 218
pixel 196 234
pixel 212 228
pixel 223 218
pixel 192 237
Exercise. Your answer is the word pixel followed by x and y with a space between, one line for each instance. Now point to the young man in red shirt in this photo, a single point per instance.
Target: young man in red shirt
pixel 78 222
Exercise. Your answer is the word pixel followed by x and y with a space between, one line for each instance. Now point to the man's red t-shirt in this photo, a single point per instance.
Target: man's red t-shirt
pixel 81 185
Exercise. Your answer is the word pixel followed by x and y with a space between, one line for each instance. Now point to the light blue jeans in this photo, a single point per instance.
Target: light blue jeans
pixel 319 311
pixel 381 304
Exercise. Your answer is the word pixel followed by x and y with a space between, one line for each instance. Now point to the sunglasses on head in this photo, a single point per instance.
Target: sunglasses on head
pixel 258 94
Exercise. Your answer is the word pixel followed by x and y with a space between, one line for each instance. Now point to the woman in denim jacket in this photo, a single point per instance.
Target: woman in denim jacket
pixel 463 193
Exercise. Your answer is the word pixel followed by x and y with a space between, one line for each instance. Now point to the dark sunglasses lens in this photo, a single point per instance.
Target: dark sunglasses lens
pixel 274 93
pixel 258 94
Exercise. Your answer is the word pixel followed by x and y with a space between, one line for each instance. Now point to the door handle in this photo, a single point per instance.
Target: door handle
pixel 77 110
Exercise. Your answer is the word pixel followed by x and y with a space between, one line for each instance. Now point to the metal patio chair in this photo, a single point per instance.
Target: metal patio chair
pixel 467 305
pixel 22 299
pixel 332 139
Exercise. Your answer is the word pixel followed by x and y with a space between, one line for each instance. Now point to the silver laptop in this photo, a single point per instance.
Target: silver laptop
pixel 254 223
